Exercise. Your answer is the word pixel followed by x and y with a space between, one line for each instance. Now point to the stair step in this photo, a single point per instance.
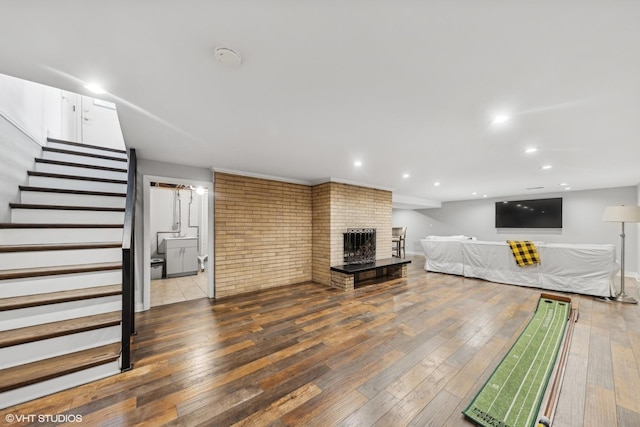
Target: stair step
pixel 56 271
pixel 9 225
pixel 64 207
pixel 76 177
pixel 79 144
pixel 96 215
pixel 80 165
pixel 81 169
pixel 27 301
pixel 79 156
pixel 82 153
pixel 68 197
pixel 54 233
pixel 58 329
pixel 58 247
pixel 42 370
pixel 77 182
pixel 67 191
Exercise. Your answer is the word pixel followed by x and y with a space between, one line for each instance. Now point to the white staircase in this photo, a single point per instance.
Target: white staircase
pixel 60 273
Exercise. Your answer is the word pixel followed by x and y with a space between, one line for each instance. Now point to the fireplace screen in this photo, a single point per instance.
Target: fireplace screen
pixel 359 246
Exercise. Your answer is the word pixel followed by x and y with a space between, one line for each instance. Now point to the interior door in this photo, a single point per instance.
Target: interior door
pixel 71 117
pixel 100 124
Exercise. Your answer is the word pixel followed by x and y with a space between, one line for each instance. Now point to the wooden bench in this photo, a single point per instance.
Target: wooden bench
pixel 346 276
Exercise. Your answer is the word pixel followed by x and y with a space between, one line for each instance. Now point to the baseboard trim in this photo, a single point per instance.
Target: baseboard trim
pixel 633 274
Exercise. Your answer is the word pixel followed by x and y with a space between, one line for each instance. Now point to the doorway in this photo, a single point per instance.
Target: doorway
pixel 90 121
pixel 178 240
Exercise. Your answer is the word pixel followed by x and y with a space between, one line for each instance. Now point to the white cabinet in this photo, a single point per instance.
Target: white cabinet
pixel 181 256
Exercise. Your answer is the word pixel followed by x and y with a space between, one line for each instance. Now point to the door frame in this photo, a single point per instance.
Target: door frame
pixel 146 233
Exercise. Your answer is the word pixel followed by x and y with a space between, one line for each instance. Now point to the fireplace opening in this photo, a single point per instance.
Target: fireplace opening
pixel 359 246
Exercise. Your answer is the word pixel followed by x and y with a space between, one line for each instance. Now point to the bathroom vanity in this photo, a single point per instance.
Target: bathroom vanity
pixel 181 256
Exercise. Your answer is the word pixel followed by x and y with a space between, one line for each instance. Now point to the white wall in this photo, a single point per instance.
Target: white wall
pixel 29 112
pixel 33 107
pixel 162 215
pixel 582 221
pixel 19 153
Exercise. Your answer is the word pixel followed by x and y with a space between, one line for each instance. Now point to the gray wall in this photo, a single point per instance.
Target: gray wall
pixel 19 152
pixel 582 221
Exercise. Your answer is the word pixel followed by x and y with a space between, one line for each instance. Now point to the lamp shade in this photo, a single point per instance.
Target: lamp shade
pixel 622 214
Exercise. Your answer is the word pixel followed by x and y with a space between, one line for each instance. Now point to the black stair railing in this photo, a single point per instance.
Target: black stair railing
pixel 128 255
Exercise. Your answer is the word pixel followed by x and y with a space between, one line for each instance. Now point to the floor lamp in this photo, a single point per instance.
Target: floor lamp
pixel 622 214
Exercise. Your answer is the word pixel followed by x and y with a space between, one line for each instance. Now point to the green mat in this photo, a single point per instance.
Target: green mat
pixel 513 394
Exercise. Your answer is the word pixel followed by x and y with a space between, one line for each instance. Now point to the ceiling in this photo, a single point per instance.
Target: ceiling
pixel 406 87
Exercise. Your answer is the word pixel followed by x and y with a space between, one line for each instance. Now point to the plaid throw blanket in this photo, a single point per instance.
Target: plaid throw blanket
pixel 525 252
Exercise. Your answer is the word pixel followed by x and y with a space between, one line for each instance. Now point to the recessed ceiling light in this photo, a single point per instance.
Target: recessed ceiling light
pixel 474 193
pixel 484 195
pixel 405 175
pixel 436 184
pixel 95 88
pixel 567 188
pixel 501 118
pixel 531 150
pixel 563 184
pixel 357 163
pixel 545 167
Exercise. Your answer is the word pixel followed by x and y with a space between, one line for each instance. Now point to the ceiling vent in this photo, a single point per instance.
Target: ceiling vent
pixel 534 188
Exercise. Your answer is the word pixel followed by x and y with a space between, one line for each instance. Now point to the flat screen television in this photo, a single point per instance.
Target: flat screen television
pixel 538 213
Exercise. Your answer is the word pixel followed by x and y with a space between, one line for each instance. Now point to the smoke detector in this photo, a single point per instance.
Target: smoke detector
pixel 228 57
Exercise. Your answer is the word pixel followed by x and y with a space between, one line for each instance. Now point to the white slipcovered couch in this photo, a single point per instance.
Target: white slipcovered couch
pixel 577 268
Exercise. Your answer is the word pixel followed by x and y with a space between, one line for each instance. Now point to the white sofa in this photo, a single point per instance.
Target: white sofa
pixel 576 268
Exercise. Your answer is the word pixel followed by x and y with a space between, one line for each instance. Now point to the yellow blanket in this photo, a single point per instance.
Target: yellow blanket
pixel 525 252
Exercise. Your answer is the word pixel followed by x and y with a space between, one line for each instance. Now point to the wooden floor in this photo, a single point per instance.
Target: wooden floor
pixel 406 352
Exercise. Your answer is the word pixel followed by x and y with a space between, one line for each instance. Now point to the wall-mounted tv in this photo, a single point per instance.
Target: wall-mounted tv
pixel 538 213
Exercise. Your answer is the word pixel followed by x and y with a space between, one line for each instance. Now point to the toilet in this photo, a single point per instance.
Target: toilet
pixel 201 261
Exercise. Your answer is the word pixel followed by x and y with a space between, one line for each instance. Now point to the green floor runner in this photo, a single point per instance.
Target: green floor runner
pixel 513 394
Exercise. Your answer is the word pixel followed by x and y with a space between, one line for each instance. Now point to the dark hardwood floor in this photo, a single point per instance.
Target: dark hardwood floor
pixel 410 351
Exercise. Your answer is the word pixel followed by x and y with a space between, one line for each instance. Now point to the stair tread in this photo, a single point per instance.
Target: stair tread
pixel 67 191
pixel 57 329
pixel 81 144
pixel 36 300
pixel 77 177
pixel 56 225
pixel 79 165
pixel 84 154
pixel 64 207
pixel 31 373
pixel 54 271
pixel 58 247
